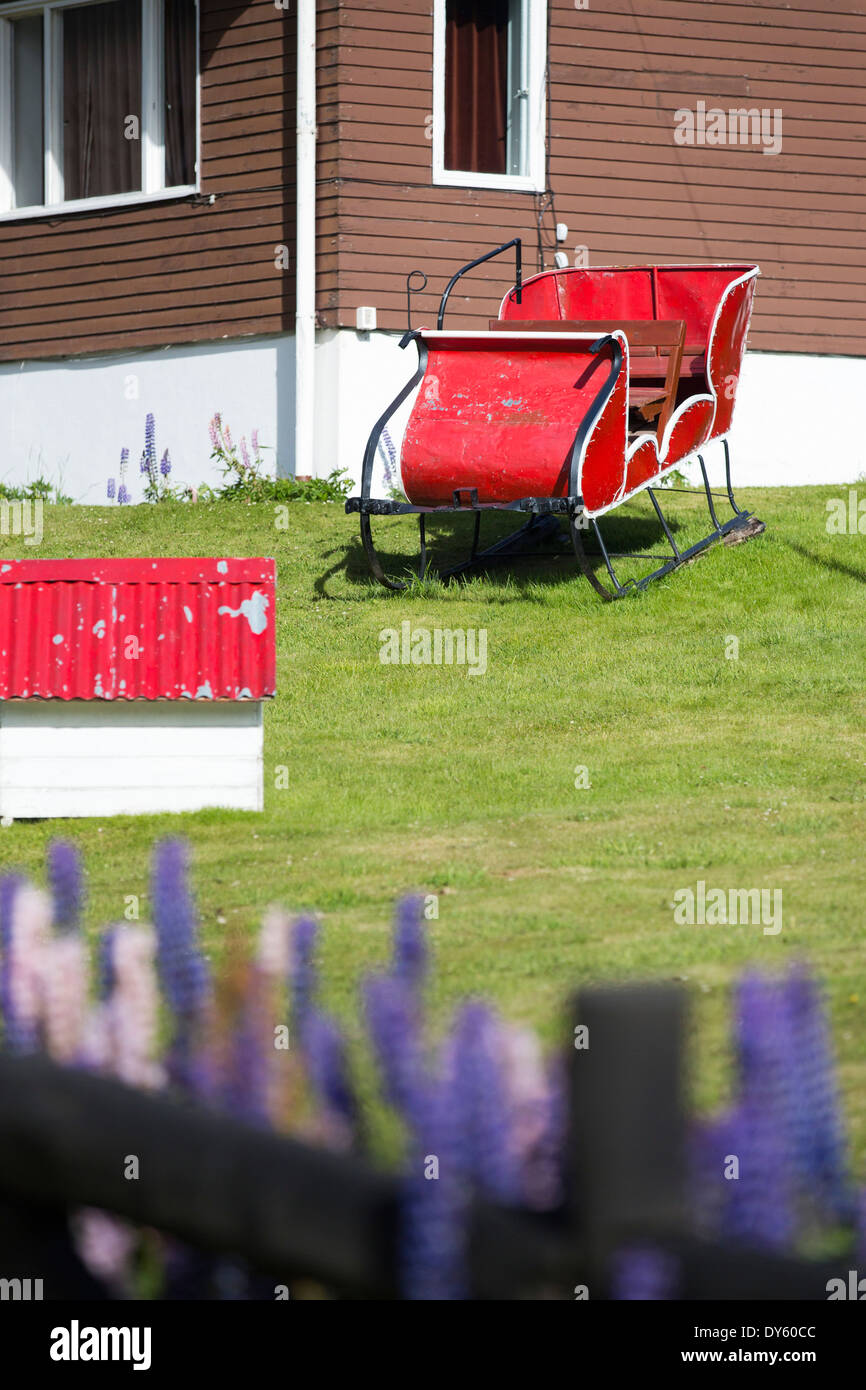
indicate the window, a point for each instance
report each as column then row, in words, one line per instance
column 98, row 103
column 488, row 93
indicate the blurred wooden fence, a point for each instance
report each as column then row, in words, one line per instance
column 297, row 1212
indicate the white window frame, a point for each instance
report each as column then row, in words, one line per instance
column 151, row 134
column 533, row 83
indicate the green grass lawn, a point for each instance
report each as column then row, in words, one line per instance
column 744, row 773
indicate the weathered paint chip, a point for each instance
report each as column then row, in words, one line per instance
column 253, row 609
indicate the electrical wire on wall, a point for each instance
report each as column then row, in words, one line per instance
column 546, row 241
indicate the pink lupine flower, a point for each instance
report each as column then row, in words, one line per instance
column 131, row 1011
column 328, row 1128
column 275, row 939
column 271, row 963
column 227, row 435
column 30, row 934
column 213, row 430
column 255, row 442
column 64, row 972
column 245, row 452
column 106, row 1245
column 531, row 1104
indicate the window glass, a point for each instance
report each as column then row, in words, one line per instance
column 477, row 86
column 180, row 107
column 101, row 91
column 27, row 160
column 518, row 89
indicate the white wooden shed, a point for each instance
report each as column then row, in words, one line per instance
column 133, row 685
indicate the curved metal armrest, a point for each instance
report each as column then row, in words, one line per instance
column 516, row 242
column 604, row 394
column 373, row 441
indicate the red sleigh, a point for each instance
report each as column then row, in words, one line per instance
column 588, row 388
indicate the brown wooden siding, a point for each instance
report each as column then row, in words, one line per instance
column 177, row 271
column 618, row 72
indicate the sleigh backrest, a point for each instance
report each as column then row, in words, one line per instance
column 691, row 293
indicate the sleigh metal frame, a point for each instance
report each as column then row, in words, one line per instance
column 547, row 509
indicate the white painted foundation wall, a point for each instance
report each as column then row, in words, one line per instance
column 796, row 422
column 111, row 758
column 69, row 420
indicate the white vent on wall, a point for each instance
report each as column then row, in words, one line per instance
column 365, row 318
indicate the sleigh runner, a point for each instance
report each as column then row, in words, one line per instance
column 590, row 386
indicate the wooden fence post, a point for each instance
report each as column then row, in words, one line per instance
column 626, row 1148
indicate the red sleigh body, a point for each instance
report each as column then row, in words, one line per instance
column 551, row 408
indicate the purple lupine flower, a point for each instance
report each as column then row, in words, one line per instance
column 760, row 1204
column 165, row 465
column 302, row 972
column 432, row 1236
column 710, row 1144
column 819, row 1150
column 245, row 1089
column 327, row 1066
column 410, row 953
column 122, row 495
column 213, row 431
column 150, row 446
column 478, row 1100
column 106, row 974
column 245, row 453
column 110, row 490
column 433, row 1232
column 254, row 437
column 182, row 970
column 67, row 884
column 643, row 1273
column 142, row 462
column 9, row 886
column 388, row 455
column 391, row 1013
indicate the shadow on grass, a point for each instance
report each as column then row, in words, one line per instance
column 449, row 540
column 826, row 563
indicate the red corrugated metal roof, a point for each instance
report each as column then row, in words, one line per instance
column 141, row 629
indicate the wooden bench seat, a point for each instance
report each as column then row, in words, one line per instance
column 660, row 360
